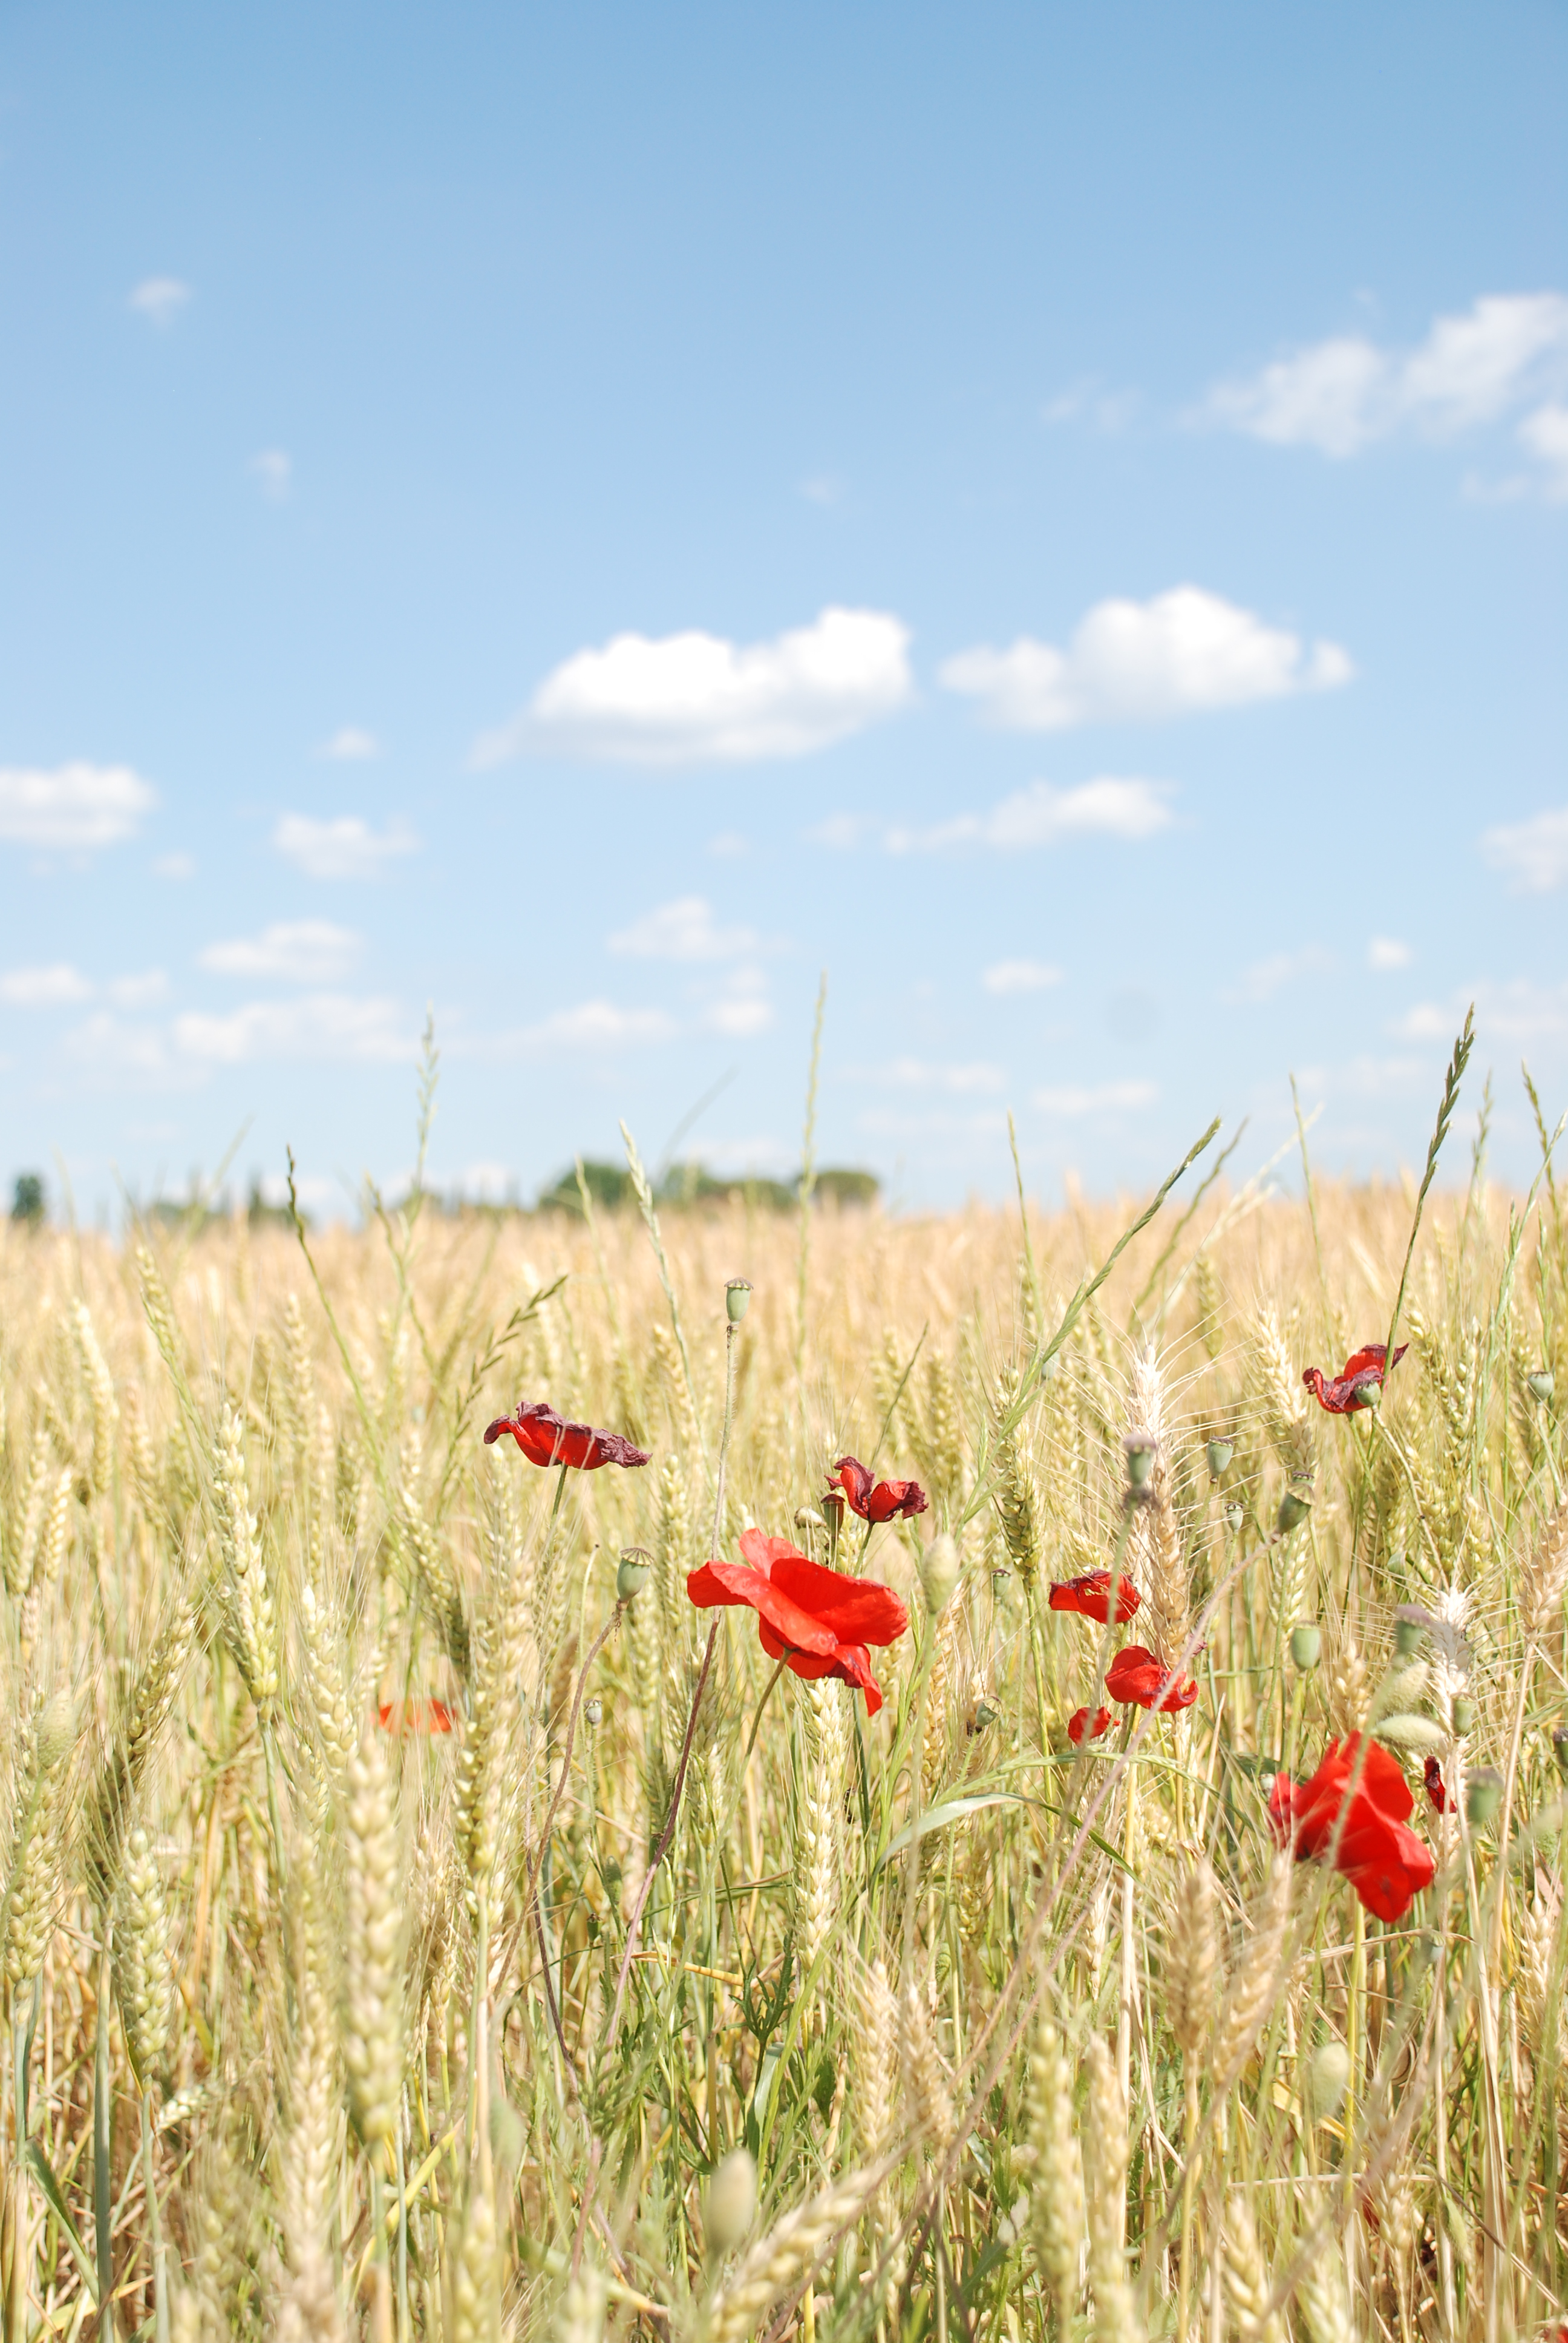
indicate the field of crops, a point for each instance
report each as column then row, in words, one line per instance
column 427, row 1912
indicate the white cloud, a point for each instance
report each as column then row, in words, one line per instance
column 730, row 845
column 43, row 987
column 1520, row 1010
column 1341, row 395
column 159, row 298
column 741, row 1017
column 695, row 698
column 1137, row 662
column 142, row 991
column 74, row 808
column 1532, row 855
column 840, row 833
column 1385, row 953
column 1544, row 435
column 683, row 930
column 122, row 1056
column 272, row 471
column 319, row 1025
column 293, row 952
column 1266, row 977
column 1040, row 815
column 344, row 848
column 974, row 1080
column 593, row 1025
column 350, row 744
column 1019, row 976
column 175, row 866
column 1110, row 1097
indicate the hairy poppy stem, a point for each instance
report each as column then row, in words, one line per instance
column 756, row 1720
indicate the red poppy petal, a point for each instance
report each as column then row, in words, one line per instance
column 798, row 1629
column 854, row 1481
column 708, row 1590
column 858, row 1610
column 1079, row 1728
column 891, row 1498
column 1435, row 1790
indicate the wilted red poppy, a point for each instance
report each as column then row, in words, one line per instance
column 818, row 1620
column 1138, row 1678
column 1079, row 1730
column 415, row 1717
column 547, row 1438
column 1344, row 1394
column 1434, row 1786
column 888, row 1501
column 1383, row 1860
column 1090, row 1596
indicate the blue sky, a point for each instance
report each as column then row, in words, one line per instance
column 585, row 518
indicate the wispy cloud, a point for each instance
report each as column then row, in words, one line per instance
column 330, row 1025
column 144, row 991
column 74, row 808
column 293, row 951
column 1042, row 815
column 695, row 698
column 343, row 848
column 350, row 744
column 159, row 299
column 972, row 1080
column 1518, row 1011
column 1386, row 953
column 45, row 987
column 1139, row 662
column 1019, row 976
column 1265, row 978
column 684, row 930
column 175, row 866
column 1532, row 855
column 1341, row 394
column 1072, row 1105
column 594, row 1026
column 272, row 469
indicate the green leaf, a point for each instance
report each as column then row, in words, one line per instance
column 956, row 1809
column 43, row 2172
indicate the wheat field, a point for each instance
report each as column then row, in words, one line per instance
column 413, row 1925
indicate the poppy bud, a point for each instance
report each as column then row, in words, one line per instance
column 940, row 1571
column 1294, row 1506
column 593, row 1710
column 1482, row 1796
column 1464, row 1715
column 632, row 1576
column 1368, row 1395
column 1140, row 1455
column 833, row 1509
column 985, row 1714
column 1407, row 1636
column 1306, row 1647
column 1560, row 1749
column 1220, row 1453
column 1233, row 1516
column 1326, row 2079
column 731, row 2202
column 1541, row 1384
column 738, row 1299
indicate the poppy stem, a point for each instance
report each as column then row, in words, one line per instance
column 762, row 1704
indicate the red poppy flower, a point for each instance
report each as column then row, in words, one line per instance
column 1435, row 1788
column 1346, row 1393
column 1079, row 1728
column 1136, row 1677
column 1090, row 1596
column 1383, row 1860
column 819, row 1621
column 547, row 1438
column 415, row 1717
column 888, row 1501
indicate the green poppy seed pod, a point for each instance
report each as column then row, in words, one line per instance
column 593, row 1710
column 1220, row 1453
column 738, row 1299
column 1294, row 1506
column 1001, row 1589
column 1482, row 1796
column 731, row 2202
column 1325, row 2079
column 1306, row 1647
column 940, row 1571
column 1560, row 1750
column 1141, row 1454
column 1233, row 1517
column 985, row 1713
column 1463, row 1714
column 1407, row 1636
column 632, row 1575
column 1367, row 1395
column 832, row 1504
column 1541, row 1384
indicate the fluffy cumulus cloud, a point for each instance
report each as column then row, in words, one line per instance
column 43, row 987
column 1386, row 953
column 1532, row 855
column 159, row 299
column 1042, row 815
column 694, row 698
column 73, row 809
column 1544, row 436
column 1006, row 976
column 351, row 744
column 343, row 848
column 1139, row 662
column 1074, row 1105
column 684, row 930
column 1338, row 396
column 331, row 1025
column 293, row 951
